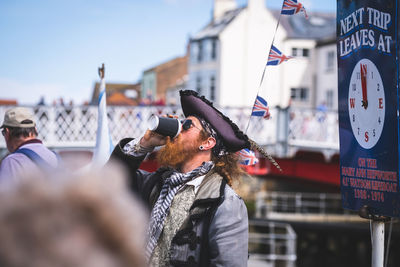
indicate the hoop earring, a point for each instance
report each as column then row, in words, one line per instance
column 201, row 147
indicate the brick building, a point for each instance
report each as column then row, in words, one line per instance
column 157, row 80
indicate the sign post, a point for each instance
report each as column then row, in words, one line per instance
column 378, row 244
column 367, row 47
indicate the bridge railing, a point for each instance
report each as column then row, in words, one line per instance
column 302, row 206
column 286, row 131
column 271, row 244
column 298, row 202
column 313, row 128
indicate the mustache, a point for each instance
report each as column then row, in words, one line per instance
column 176, row 152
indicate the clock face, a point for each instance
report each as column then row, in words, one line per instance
column 366, row 103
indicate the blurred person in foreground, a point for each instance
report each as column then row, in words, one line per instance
column 196, row 217
column 72, row 221
column 27, row 153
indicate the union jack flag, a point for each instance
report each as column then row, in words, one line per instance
column 291, row 7
column 260, row 108
column 247, row 157
column 276, row 57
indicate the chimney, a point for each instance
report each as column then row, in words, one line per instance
column 256, row 4
column 222, row 6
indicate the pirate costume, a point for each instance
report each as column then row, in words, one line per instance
column 196, row 218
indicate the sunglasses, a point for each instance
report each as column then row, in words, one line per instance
column 187, row 124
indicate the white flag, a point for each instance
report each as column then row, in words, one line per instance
column 104, row 146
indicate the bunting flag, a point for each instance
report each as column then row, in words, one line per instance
column 247, row 157
column 260, row 108
column 276, row 57
column 104, row 146
column 291, row 7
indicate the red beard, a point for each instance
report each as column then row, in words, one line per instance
column 175, row 153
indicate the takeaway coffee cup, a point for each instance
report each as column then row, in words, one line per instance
column 165, row 126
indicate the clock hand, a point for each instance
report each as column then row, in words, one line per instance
column 364, row 102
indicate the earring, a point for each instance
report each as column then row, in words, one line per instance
column 201, row 147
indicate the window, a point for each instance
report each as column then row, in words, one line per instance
column 300, row 52
column 299, row 94
column 200, row 52
column 213, row 48
column 330, row 60
column 329, row 98
column 212, row 88
column 198, row 85
column 194, row 51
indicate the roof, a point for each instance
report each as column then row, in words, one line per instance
column 119, row 99
column 112, row 88
column 214, row 28
column 168, row 64
column 318, row 26
column 5, row 102
column 328, row 40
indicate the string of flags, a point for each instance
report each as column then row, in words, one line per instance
column 275, row 58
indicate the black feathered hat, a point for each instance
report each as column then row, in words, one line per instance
column 232, row 137
column 195, row 105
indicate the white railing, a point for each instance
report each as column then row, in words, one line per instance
column 313, row 128
column 300, row 206
column 271, row 244
column 75, row 127
column 298, row 202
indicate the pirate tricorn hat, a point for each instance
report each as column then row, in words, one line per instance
column 232, row 137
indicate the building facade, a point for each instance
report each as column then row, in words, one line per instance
column 228, row 56
column 157, row 80
column 327, row 73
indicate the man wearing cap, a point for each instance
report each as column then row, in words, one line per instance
column 196, row 217
column 27, row 153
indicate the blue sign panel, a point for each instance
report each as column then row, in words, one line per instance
column 368, row 105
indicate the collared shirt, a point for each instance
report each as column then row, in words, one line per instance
column 16, row 166
column 196, row 182
column 30, row 141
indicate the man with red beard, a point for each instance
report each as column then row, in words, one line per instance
column 196, row 217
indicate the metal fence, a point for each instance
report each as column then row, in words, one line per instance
column 298, row 202
column 300, row 206
column 286, row 131
column 271, row 244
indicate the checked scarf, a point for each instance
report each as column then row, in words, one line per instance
column 169, row 189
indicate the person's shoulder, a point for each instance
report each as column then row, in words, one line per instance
column 231, row 194
column 36, row 146
column 41, row 150
column 14, row 158
column 7, row 159
column 232, row 205
column 12, row 162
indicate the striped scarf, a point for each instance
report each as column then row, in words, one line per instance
column 160, row 210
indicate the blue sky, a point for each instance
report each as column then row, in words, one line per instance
column 53, row 48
